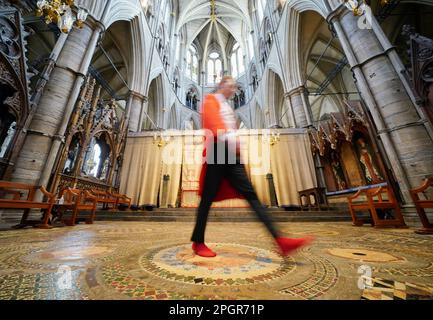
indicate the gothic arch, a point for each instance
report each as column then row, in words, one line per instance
column 292, row 39
column 110, row 12
column 117, row 10
column 324, row 70
column 155, row 94
column 311, row 5
column 113, row 51
column 275, row 98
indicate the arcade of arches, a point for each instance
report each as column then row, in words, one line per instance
column 329, row 104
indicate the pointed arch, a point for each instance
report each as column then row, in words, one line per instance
column 155, row 103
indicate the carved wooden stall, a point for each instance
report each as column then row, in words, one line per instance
column 421, row 55
column 353, row 164
column 14, row 92
column 348, row 153
column 92, row 154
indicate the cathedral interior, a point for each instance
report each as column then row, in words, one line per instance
column 335, row 108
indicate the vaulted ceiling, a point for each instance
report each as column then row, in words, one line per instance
column 111, row 59
column 322, row 56
column 213, row 21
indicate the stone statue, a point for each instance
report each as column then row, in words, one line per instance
column 188, row 99
column 371, row 172
column 242, row 98
column 194, row 102
column 105, row 168
column 70, row 161
column 338, row 172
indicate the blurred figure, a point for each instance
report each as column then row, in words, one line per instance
column 222, row 175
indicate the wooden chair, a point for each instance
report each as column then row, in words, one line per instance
column 374, row 200
column 421, row 205
column 121, row 199
column 13, row 194
column 77, row 200
column 105, row 198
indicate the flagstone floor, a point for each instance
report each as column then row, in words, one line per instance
column 153, row 260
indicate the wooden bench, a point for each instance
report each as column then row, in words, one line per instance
column 105, row 198
column 319, row 199
column 374, row 200
column 76, row 200
column 121, row 199
column 12, row 198
column 421, row 205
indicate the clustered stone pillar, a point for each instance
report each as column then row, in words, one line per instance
column 408, row 146
column 288, row 112
column 46, row 132
column 144, row 114
column 300, row 107
column 135, row 106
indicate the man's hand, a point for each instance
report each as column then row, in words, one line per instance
column 234, row 142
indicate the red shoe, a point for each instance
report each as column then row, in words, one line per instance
column 288, row 245
column 202, row 250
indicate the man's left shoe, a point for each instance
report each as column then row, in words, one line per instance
column 289, row 245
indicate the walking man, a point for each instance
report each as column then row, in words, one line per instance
column 223, row 176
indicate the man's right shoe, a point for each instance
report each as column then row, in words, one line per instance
column 289, row 245
column 202, row 250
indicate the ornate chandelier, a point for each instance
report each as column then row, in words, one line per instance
column 161, row 139
column 272, row 139
column 60, row 13
column 358, row 7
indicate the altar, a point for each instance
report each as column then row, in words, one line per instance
column 162, row 169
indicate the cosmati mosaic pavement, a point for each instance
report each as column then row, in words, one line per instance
column 154, row 261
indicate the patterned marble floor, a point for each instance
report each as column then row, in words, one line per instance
column 153, row 260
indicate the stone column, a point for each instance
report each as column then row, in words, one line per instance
column 300, row 107
column 406, row 140
column 46, row 132
column 288, row 112
column 144, row 113
column 135, row 106
column 271, row 105
column 401, row 71
column 44, row 77
column 51, row 63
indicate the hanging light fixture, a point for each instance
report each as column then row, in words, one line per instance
column 60, row 13
column 358, row 7
column 161, row 139
column 273, row 138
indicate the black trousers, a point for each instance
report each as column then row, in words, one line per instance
column 237, row 176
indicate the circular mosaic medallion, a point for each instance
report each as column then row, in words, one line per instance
column 234, row 265
column 364, row 255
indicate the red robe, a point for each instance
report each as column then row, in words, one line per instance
column 212, row 120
